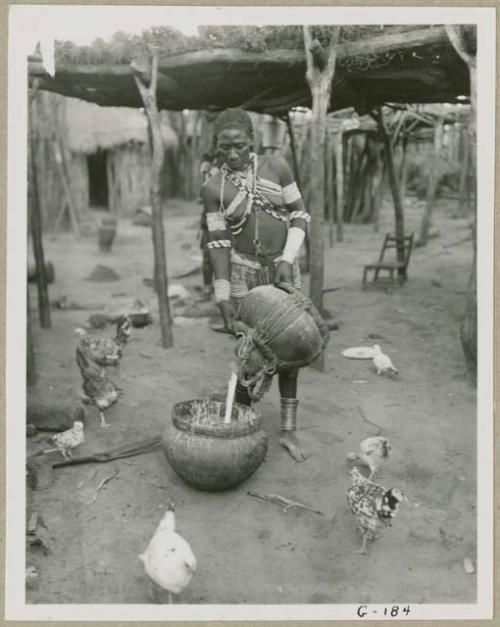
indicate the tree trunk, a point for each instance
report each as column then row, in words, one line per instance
column 433, row 182
column 148, row 96
column 339, row 177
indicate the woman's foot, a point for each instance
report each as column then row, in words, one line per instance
column 290, row 441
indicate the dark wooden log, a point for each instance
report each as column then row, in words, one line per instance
column 432, row 183
column 320, row 81
column 399, row 226
column 36, row 223
column 148, row 95
column 339, row 187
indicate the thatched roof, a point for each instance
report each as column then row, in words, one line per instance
column 417, row 65
column 88, row 127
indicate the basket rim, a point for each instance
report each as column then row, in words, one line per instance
column 220, row 430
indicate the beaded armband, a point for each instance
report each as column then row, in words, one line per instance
column 300, row 215
column 219, row 243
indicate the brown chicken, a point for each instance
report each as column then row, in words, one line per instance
column 98, row 390
column 373, row 506
column 106, row 351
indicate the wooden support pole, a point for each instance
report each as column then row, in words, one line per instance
column 148, row 95
column 399, row 226
column 329, row 191
column 403, row 173
column 36, row 222
column 464, row 177
column 31, row 374
column 468, row 328
column 432, row 184
column 339, row 177
column 296, row 172
column 319, row 75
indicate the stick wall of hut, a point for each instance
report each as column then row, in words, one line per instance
column 329, row 189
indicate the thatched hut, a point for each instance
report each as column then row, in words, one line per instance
column 95, row 158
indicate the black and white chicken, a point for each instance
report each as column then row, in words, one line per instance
column 373, row 506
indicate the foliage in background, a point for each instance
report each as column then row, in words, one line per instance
column 122, row 48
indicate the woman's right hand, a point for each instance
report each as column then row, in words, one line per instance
column 228, row 313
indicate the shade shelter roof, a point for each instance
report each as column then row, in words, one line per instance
column 418, row 64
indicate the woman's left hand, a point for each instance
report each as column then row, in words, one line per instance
column 284, row 273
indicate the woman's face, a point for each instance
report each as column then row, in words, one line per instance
column 233, row 146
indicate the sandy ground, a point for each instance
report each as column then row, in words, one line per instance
column 248, row 550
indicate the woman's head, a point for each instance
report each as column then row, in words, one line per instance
column 234, row 137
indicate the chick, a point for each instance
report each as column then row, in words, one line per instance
column 372, row 506
column 383, row 363
column 168, row 559
column 68, row 440
column 374, row 452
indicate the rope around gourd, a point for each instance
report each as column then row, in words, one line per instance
column 266, row 330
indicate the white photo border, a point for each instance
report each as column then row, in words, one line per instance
column 24, row 22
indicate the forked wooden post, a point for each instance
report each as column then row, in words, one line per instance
column 148, row 95
column 36, row 220
column 320, row 72
column 399, row 227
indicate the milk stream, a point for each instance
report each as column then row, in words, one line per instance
column 231, row 388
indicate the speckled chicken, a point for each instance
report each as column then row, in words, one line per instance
column 373, row 506
column 68, row 440
column 168, row 559
column 374, row 452
column 98, row 390
column 106, row 351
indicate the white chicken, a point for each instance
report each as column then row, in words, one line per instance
column 68, row 440
column 168, row 559
column 374, row 452
column 382, row 362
